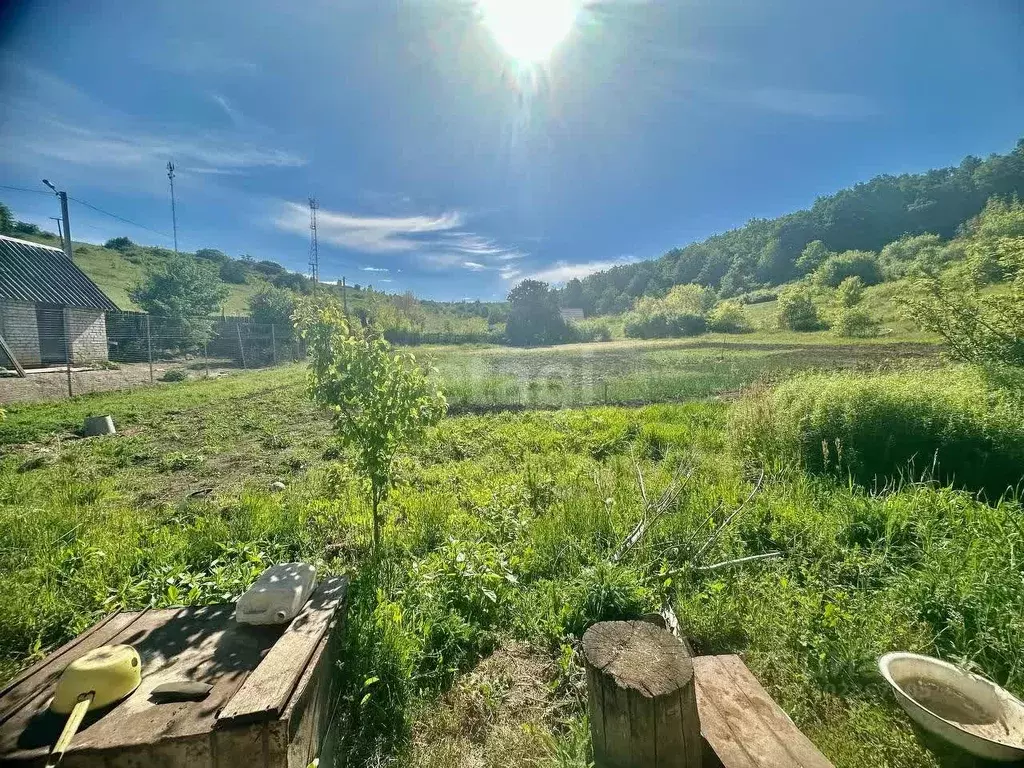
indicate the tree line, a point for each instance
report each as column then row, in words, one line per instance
column 767, row 252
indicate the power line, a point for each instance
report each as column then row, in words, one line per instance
column 120, row 218
column 24, row 189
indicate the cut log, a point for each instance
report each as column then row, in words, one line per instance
column 643, row 706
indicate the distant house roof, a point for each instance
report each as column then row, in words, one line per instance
column 571, row 313
column 41, row 274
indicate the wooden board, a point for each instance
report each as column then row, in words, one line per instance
column 266, row 691
column 742, row 725
column 43, row 676
column 10, row 356
column 201, row 644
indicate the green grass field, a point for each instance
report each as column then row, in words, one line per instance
column 635, row 372
column 462, row 639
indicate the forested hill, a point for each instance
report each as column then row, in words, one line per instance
column 766, row 252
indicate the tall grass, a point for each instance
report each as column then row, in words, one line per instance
column 950, row 425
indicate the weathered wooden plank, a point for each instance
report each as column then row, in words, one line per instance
column 742, row 724
column 266, row 691
column 313, row 709
column 43, row 676
column 197, row 644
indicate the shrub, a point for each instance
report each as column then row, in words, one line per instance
column 839, row 266
column 274, row 306
column 592, row 330
column 977, row 327
column 662, row 325
column 797, row 311
column 955, row 426
column 234, row 271
column 854, row 322
column 174, row 374
column 729, row 317
column 759, row 296
column 119, row 244
column 680, row 313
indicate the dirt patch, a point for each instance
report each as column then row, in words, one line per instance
column 501, row 714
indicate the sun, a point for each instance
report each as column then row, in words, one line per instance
column 528, row 30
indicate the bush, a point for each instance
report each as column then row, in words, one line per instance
column 234, row 271
column 119, row 244
column 854, row 322
column 729, row 317
column 797, row 311
column 759, row 296
column 662, row 325
column 954, row 426
column 838, row 267
column 174, row 374
column 682, row 312
column 591, row 330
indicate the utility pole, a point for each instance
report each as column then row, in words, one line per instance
column 66, row 234
column 314, row 247
column 174, row 212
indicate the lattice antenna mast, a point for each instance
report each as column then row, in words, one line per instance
column 174, row 210
column 314, row 247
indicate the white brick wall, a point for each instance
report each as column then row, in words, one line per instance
column 20, row 331
column 87, row 331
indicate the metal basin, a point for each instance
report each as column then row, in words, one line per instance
column 969, row 711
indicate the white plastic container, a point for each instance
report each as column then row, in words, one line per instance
column 278, row 594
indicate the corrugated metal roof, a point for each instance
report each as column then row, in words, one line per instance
column 41, row 274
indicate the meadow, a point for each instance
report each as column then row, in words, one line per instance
column 462, row 637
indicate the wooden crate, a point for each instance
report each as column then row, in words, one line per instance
column 270, row 707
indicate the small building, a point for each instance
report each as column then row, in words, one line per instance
column 49, row 308
column 571, row 314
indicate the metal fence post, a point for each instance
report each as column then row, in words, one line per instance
column 67, row 347
column 206, row 356
column 241, row 347
column 273, row 342
column 149, row 349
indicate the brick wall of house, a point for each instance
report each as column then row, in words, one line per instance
column 87, row 331
column 20, row 331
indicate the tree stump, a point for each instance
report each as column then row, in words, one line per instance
column 643, row 705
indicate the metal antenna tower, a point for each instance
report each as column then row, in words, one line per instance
column 314, row 248
column 174, row 211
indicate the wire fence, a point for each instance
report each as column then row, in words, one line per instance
column 51, row 352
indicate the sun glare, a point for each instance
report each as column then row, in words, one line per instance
column 528, row 30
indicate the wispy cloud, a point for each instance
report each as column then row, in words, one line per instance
column 821, row 105
column 233, row 113
column 209, row 153
column 52, row 120
column 368, row 234
column 562, row 272
column 438, row 241
column 374, row 269
column 192, row 57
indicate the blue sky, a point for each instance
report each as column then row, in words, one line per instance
column 445, row 166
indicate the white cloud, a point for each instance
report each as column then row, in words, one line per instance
column 509, row 273
column 233, row 113
column 821, row 105
column 209, row 153
column 435, row 241
column 561, row 272
column 369, row 234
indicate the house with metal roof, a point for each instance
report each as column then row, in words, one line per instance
column 50, row 311
column 570, row 314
